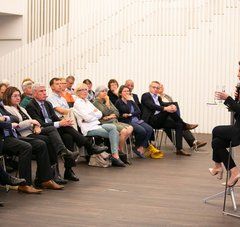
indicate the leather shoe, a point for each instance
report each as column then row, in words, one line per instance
column 190, row 126
column 14, row 181
column 182, row 152
column 29, row 189
column 117, row 162
column 60, row 180
column 95, row 149
column 51, row 185
column 69, row 154
column 70, row 175
column 198, row 144
column 138, row 153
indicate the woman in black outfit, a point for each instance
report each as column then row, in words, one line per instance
column 130, row 114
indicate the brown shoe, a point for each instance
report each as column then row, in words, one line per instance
column 51, row 185
column 29, row 189
column 190, row 126
column 198, row 144
column 182, row 152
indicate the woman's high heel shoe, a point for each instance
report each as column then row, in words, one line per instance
column 218, row 172
column 232, row 182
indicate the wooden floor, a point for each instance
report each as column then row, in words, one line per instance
column 167, row 192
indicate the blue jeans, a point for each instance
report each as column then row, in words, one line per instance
column 107, row 131
column 143, row 133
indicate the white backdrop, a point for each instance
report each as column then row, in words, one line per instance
column 189, row 45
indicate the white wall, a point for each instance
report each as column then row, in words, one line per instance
column 189, row 46
column 16, row 7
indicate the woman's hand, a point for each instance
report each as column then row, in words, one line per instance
column 221, row 95
column 126, row 115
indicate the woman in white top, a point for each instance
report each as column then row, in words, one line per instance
column 88, row 120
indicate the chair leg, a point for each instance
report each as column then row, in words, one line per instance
column 4, row 167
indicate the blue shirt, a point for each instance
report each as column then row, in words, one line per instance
column 156, row 101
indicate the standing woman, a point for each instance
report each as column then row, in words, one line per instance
column 130, row 114
column 110, row 114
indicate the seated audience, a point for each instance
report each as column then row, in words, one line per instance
column 24, row 147
column 69, row 98
column 43, row 112
column 3, row 88
column 130, row 114
column 88, row 120
column 29, row 127
column 91, row 93
column 113, row 90
column 27, row 93
column 187, row 135
column 110, row 114
column 70, row 81
column 130, row 84
column 7, row 179
column 163, row 115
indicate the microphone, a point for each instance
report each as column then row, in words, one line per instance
column 238, row 91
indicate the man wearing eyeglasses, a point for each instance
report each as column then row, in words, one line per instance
column 164, row 115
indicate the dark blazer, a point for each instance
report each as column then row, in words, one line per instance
column 6, row 125
column 125, row 108
column 149, row 107
column 35, row 111
column 235, row 107
column 113, row 98
column 136, row 100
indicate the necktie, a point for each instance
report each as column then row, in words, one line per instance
column 45, row 114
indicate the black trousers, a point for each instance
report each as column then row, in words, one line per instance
column 187, row 135
column 221, row 138
column 24, row 147
column 70, row 136
column 4, row 176
column 169, row 121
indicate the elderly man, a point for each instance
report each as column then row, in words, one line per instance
column 130, row 84
column 27, row 93
column 44, row 113
column 164, row 115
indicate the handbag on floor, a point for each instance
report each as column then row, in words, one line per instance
column 100, row 160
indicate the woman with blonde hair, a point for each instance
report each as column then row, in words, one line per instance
column 88, row 120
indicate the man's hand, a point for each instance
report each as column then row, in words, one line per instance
column 35, row 122
column 170, row 109
column 37, row 130
column 65, row 122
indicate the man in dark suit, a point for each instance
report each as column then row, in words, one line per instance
column 42, row 111
column 163, row 115
column 23, row 147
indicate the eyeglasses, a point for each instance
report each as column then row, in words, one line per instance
column 83, row 89
column 15, row 96
column 155, row 87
